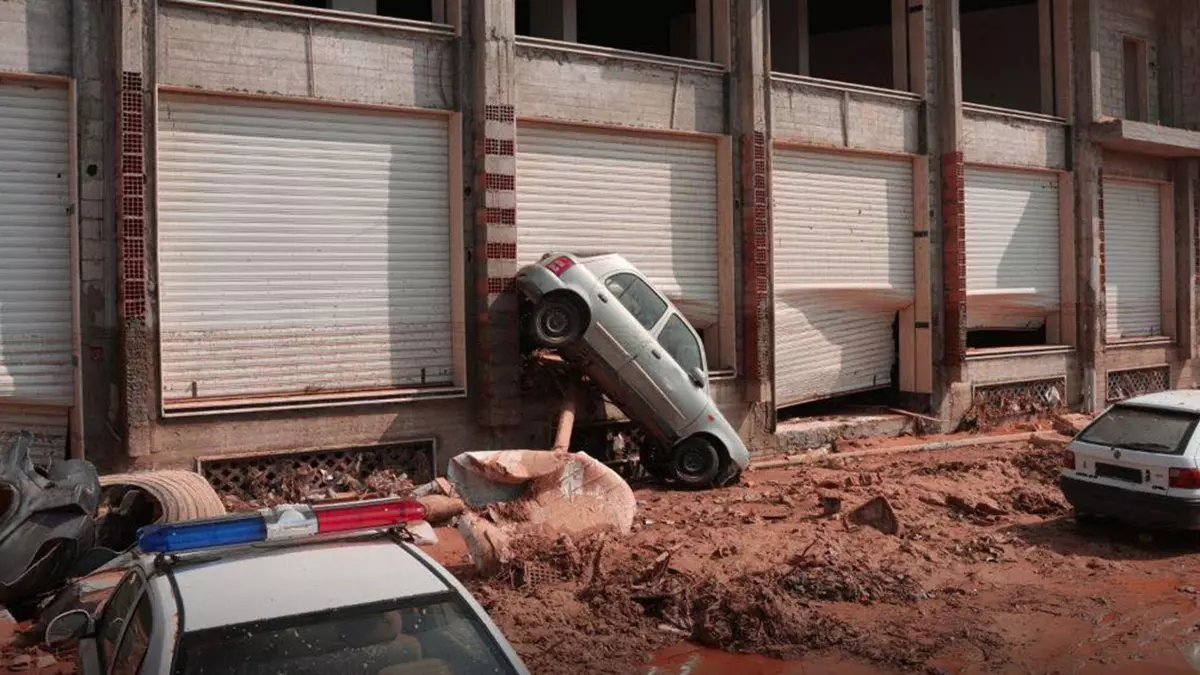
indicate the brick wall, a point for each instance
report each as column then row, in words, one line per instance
column 35, row 36
column 1119, row 18
column 580, row 87
column 954, row 271
column 251, row 53
column 992, row 138
column 822, row 115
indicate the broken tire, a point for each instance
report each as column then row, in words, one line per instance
column 181, row 495
column 556, row 322
column 696, row 462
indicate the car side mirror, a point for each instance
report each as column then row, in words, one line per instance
column 697, row 377
column 68, row 627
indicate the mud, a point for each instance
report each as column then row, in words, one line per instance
column 988, row 573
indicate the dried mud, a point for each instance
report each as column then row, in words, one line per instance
column 762, row 568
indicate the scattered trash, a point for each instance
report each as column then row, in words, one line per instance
column 877, row 513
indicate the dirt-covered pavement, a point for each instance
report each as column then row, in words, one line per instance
column 988, row 573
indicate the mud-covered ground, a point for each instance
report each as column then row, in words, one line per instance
column 988, row 573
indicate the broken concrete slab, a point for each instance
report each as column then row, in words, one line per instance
column 877, row 513
column 810, row 434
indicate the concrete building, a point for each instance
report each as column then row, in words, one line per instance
column 241, row 228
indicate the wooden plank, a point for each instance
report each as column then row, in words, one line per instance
column 1064, row 98
column 916, row 46
column 922, row 347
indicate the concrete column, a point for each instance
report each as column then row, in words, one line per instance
column 1189, row 104
column 134, row 193
column 751, row 117
column 553, row 19
column 953, row 222
column 1089, row 233
column 94, row 70
column 493, row 31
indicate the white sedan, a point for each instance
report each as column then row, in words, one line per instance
column 1139, row 462
column 294, row 589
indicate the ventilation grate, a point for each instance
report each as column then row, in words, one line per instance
column 1123, row 384
column 241, row 477
column 999, row 402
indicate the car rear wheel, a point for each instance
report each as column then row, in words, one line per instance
column 696, row 462
column 556, row 322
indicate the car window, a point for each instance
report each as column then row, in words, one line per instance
column 636, row 295
column 433, row 634
column 681, row 344
column 114, row 615
column 135, row 641
column 1144, row 429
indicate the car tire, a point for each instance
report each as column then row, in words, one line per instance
column 556, row 322
column 696, row 462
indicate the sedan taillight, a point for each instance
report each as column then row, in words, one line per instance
column 1184, row 478
column 559, row 265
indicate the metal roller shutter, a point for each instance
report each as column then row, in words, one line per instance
column 35, row 246
column 1133, row 259
column 843, row 267
column 651, row 199
column 302, row 251
column 1012, row 248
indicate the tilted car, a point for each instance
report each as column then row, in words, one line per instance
column 293, row 589
column 603, row 315
column 1139, row 462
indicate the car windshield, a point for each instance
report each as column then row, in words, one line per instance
column 436, row 635
column 1143, row 429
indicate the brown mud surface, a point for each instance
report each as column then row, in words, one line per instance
column 988, row 574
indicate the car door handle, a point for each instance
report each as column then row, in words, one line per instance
column 655, row 354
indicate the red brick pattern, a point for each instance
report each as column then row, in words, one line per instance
column 132, row 199
column 954, row 267
column 497, row 254
column 1100, row 231
column 756, row 228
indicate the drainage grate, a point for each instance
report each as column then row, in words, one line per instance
column 998, row 402
column 1123, row 384
column 242, row 476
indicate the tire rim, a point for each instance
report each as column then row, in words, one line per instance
column 556, row 322
column 694, row 461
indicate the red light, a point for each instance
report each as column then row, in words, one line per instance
column 559, row 265
column 1069, row 460
column 368, row 515
column 1184, row 478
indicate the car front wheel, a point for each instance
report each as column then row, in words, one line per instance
column 556, row 322
column 696, row 462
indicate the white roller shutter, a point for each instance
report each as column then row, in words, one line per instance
column 1012, row 248
column 35, row 246
column 1133, row 259
column 651, row 199
column 843, row 267
column 302, row 251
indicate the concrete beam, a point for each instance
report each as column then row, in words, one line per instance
column 1185, row 175
column 1146, row 139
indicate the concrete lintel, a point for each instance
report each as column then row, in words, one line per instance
column 1146, row 139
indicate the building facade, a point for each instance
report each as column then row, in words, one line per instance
column 250, row 227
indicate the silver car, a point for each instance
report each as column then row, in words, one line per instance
column 603, row 315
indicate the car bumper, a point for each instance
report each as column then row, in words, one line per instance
column 534, row 281
column 1136, row 508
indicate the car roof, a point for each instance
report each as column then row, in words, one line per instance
column 271, row 582
column 1185, row 400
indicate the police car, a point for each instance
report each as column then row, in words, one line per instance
column 292, row 589
column 1138, row 462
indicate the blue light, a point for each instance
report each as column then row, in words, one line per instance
column 211, row 533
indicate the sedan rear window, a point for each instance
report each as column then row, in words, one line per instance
column 1142, row 429
column 435, row 634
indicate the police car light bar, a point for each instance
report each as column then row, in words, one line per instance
column 288, row 521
